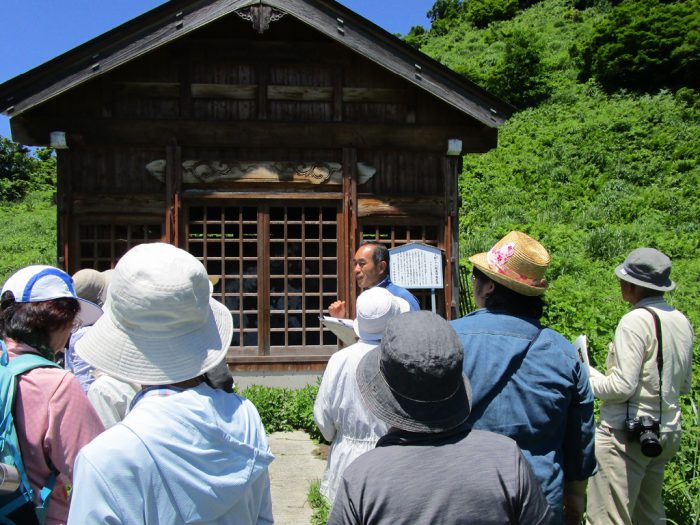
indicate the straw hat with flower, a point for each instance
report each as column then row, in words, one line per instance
column 517, row 261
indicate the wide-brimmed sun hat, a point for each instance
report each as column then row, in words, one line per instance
column 375, row 306
column 92, row 285
column 648, row 268
column 517, row 261
column 161, row 325
column 38, row 283
column 414, row 379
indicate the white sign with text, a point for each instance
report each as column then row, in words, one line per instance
column 416, row 266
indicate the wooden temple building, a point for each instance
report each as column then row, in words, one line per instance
column 266, row 137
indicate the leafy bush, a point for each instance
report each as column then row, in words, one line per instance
column 20, row 172
column 285, row 409
column 482, row 12
column 645, row 45
column 519, row 76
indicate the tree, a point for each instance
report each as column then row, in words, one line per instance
column 443, row 14
column 519, row 76
column 20, row 172
column 647, row 45
column 15, row 170
column 482, row 12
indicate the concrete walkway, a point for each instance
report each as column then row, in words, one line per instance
column 296, row 465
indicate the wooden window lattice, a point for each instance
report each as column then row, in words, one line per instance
column 301, row 268
column 102, row 245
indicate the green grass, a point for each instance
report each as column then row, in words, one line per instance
column 319, row 504
column 27, row 232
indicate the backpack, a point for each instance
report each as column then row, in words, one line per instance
column 18, row 506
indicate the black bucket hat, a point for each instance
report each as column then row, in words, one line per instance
column 648, row 268
column 414, row 380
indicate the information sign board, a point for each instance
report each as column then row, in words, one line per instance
column 416, row 266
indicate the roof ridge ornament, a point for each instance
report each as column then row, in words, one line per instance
column 260, row 15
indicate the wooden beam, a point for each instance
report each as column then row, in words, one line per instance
column 226, row 91
column 300, row 93
column 382, row 95
column 401, row 206
column 104, row 203
column 259, row 195
column 35, row 131
column 148, row 89
column 274, row 92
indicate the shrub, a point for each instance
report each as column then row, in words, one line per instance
column 285, row 409
column 646, row 45
column 519, row 76
column 482, row 12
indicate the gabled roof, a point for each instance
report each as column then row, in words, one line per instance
column 176, row 18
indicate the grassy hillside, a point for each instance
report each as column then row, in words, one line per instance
column 27, row 232
column 590, row 171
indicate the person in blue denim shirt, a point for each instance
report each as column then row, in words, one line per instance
column 527, row 380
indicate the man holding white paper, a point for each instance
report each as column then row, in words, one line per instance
column 370, row 265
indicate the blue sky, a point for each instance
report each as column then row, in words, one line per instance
column 35, row 31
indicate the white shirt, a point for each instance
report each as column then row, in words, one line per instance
column 632, row 375
column 342, row 416
column 111, row 398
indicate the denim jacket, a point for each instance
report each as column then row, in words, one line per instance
column 540, row 396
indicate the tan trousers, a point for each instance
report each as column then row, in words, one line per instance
column 627, row 487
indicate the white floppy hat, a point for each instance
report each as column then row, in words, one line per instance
column 161, row 325
column 375, row 306
column 38, row 283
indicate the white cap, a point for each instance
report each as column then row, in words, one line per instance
column 37, row 283
column 375, row 306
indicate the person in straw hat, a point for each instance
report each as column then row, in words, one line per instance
column 642, row 390
column 339, row 412
column 186, row 452
column 431, row 467
column 528, row 382
column 38, row 311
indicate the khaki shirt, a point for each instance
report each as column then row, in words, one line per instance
column 632, row 374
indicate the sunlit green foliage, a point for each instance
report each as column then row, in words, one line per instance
column 645, row 45
column 590, row 171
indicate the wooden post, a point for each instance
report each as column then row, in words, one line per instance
column 173, row 193
column 350, row 224
column 451, row 167
column 66, row 244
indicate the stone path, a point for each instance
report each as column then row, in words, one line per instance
column 295, row 466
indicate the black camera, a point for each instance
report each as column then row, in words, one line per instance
column 644, row 429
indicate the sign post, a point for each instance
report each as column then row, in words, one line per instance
column 417, row 266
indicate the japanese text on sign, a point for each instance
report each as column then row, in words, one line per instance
column 416, row 266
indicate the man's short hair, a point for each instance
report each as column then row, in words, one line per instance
column 379, row 254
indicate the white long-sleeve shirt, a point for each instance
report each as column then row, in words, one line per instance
column 342, row 416
column 632, row 374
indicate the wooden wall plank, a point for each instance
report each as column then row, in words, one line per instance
column 261, row 134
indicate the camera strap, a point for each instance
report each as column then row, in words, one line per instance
column 659, row 357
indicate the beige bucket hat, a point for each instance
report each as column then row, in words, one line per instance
column 160, row 325
column 517, row 261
